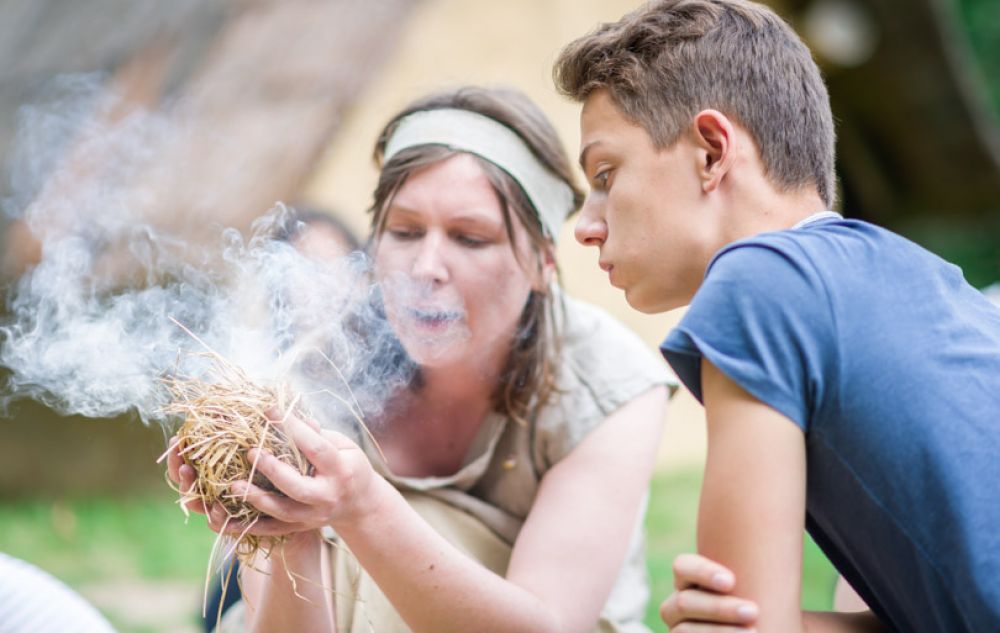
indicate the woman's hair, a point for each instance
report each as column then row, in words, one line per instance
column 528, row 378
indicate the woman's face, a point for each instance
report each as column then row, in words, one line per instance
column 454, row 289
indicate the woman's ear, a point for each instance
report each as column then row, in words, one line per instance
column 715, row 136
column 546, row 269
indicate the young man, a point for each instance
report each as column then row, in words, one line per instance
column 850, row 377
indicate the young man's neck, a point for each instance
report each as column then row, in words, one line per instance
column 767, row 209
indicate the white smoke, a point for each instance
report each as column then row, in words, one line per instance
column 95, row 325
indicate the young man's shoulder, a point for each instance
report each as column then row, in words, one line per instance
column 833, row 252
column 812, row 239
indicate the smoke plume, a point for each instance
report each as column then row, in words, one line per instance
column 96, row 324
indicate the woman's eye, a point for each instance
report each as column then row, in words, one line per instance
column 403, row 234
column 471, row 241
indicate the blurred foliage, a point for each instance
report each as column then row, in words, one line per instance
column 973, row 245
column 981, row 19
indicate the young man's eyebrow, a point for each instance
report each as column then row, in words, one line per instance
column 583, row 154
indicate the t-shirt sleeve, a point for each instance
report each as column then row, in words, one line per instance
column 763, row 317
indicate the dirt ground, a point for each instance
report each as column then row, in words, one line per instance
column 164, row 606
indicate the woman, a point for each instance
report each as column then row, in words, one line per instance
column 516, row 465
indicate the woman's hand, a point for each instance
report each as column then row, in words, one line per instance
column 701, row 600
column 183, row 475
column 337, row 490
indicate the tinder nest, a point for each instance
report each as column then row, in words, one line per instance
column 222, row 420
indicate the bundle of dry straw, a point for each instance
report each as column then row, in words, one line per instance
column 222, row 420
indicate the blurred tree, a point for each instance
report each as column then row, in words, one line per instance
column 919, row 142
column 981, row 18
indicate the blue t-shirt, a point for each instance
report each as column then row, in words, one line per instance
column 890, row 364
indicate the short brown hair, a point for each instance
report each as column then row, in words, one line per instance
column 528, row 378
column 666, row 61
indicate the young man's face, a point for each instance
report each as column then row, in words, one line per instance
column 646, row 209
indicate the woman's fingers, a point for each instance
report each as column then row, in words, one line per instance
column 185, row 482
column 197, row 505
column 185, row 477
column 272, row 504
column 177, row 469
column 340, row 474
column 265, row 526
column 322, row 448
column 276, row 415
column 694, row 570
column 285, row 477
column 276, row 517
column 705, row 607
column 174, row 461
column 320, row 452
column 219, row 520
column 215, row 514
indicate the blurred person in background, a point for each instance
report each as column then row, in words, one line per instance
column 317, row 233
column 518, row 460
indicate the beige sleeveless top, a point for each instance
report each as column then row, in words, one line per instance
column 603, row 366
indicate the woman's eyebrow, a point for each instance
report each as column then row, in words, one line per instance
column 398, row 208
column 477, row 219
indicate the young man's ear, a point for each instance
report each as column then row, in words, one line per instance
column 715, row 137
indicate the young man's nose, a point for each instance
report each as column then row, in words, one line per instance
column 591, row 229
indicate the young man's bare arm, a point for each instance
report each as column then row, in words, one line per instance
column 753, row 507
column 753, row 499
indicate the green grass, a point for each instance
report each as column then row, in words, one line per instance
column 97, row 544
column 103, row 539
column 670, row 528
column 145, row 540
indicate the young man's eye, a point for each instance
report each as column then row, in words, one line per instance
column 601, row 179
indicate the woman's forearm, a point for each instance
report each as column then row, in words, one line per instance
column 433, row 585
column 288, row 591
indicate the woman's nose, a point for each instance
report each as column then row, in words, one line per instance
column 591, row 229
column 429, row 264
